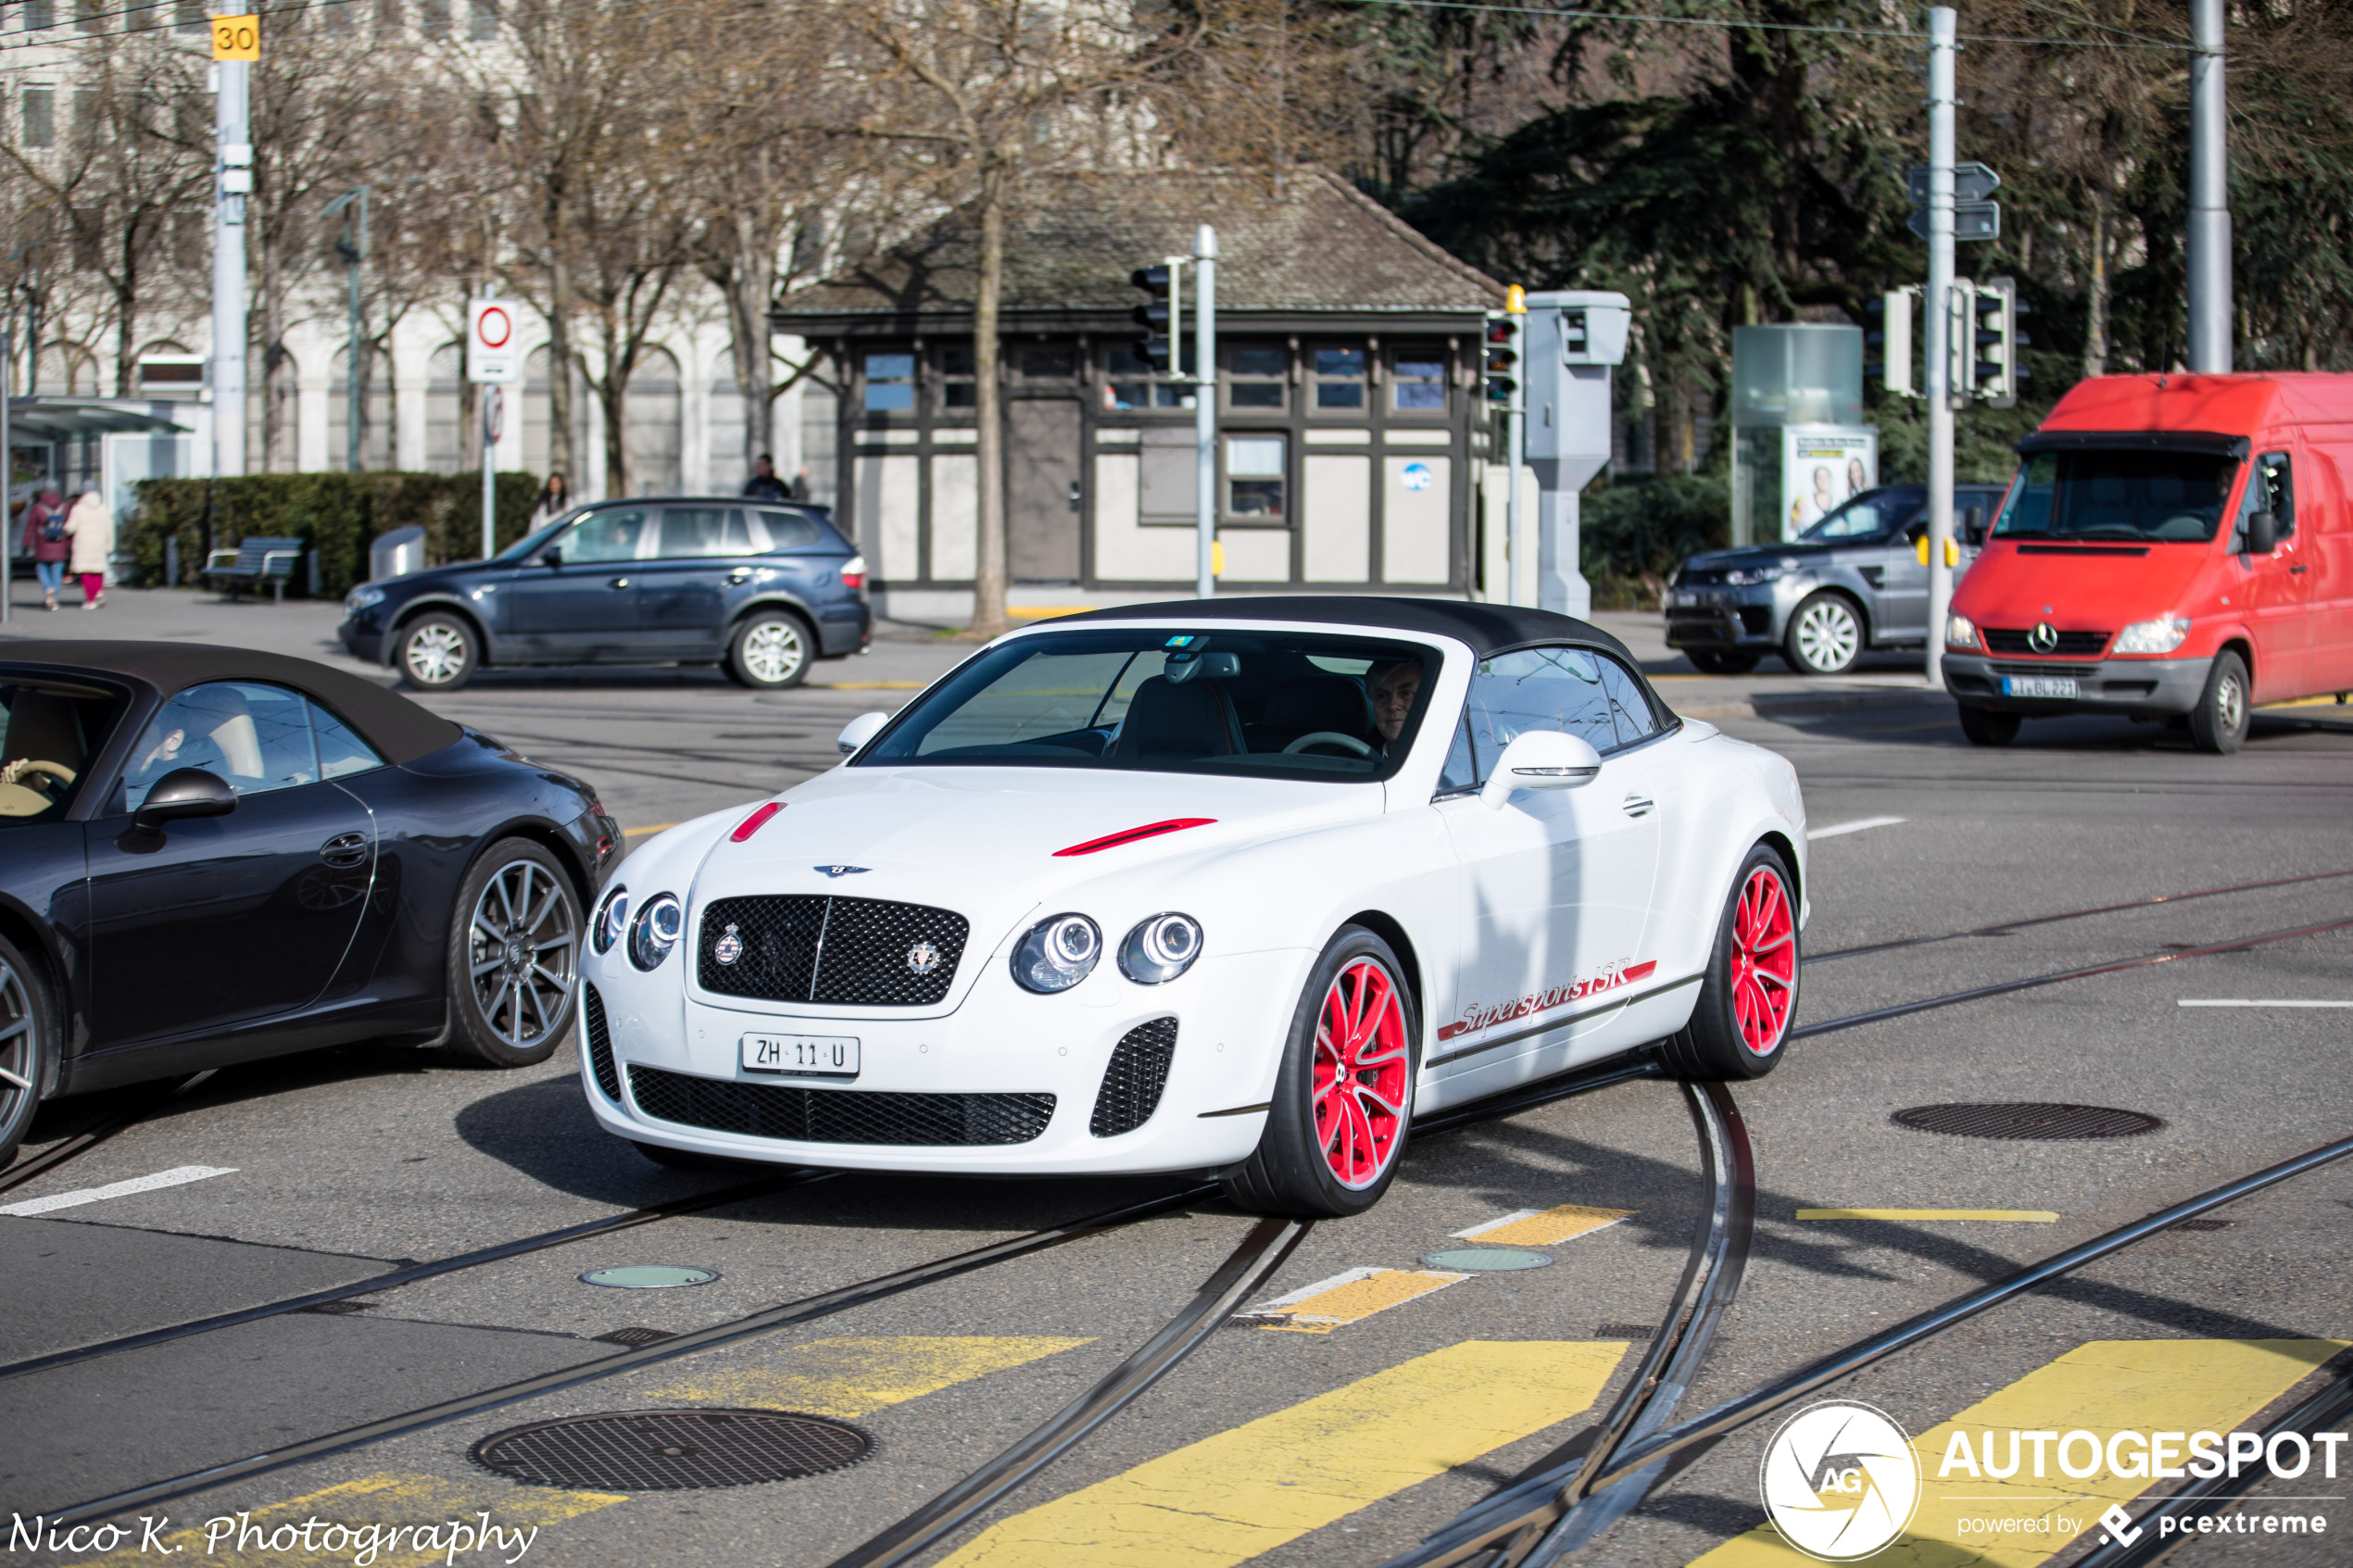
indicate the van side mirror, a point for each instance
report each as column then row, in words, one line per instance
column 182, row 792
column 2262, row 532
column 1974, row 527
column 1540, row 760
column 859, row 730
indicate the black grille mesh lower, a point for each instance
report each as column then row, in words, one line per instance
column 812, row 947
column 600, row 1043
column 1138, row 1071
column 774, row 1110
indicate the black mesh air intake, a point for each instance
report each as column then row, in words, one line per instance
column 592, row 1013
column 774, row 1110
column 2070, row 644
column 812, row 947
column 1138, row 1071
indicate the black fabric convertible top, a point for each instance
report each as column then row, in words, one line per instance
column 397, row 727
column 1487, row 628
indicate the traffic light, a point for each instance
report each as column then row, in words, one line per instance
column 1993, row 340
column 1893, row 340
column 1500, row 370
column 1960, row 340
column 1159, row 316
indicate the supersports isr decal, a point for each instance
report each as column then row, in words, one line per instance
column 1609, row 979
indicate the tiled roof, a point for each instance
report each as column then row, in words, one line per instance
column 1317, row 245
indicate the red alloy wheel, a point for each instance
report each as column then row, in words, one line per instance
column 1361, row 1065
column 1763, row 961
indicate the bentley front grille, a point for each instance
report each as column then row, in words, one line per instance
column 816, row 948
column 775, row 1110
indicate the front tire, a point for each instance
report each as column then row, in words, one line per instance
column 1985, row 727
column 514, row 956
column 2219, row 723
column 1739, row 1027
column 437, row 653
column 1343, row 1099
column 771, row 651
column 1825, row 636
column 1721, row 663
column 28, row 1040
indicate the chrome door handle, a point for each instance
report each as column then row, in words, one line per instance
column 345, row 851
column 618, row 582
column 2298, row 569
column 1637, row 804
column 741, row 575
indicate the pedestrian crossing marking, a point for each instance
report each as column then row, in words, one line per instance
column 1545, row 1227
column 852, row 1376
column 2026, row 1216
column 2105, row 1387
column 1348, row 1298
column 1251, row 1489
column 384, row 1501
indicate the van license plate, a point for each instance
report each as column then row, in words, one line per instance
column 801, row 1056
column 2038, row 686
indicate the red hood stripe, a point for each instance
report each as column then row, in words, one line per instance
column 1150, row 830
column 754, row 823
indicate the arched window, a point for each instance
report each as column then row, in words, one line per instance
column 656, row 425
column 375, row 412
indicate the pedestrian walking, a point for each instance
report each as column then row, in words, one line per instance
column 90, row 527
column 555, row 500
column 46, row 542
column 764, row 485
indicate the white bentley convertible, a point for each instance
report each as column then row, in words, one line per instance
column 1239, row 886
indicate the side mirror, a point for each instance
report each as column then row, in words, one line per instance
column 1974, row 527
column 1540, row 760
column 183, row 792
column 859, row 730
column 2262, row 532
column 551, row 555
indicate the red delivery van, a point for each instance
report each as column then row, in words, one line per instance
column 2172, row 545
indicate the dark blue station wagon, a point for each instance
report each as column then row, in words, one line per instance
column 761, row 587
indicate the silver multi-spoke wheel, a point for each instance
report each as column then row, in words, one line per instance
column 436, row 654
column 523, row 954
column 22, row 1023
column 1827, row 635
column 772, row 652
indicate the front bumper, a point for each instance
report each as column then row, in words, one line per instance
column 1751, row 617
column 2147, row 687
column 361, row 640
column 1000, row 1041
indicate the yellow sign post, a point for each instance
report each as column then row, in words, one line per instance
column 236, row 38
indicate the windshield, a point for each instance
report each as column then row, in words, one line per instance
column 48, row 737
column 517, row 551
column 1868, row 516
column 2167, row 497
column 1278, row 703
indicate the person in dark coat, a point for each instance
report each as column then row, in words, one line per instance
column 764, row 485
column 46, row 542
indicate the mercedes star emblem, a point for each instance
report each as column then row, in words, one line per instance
column 2043, row 639
column 922, row 958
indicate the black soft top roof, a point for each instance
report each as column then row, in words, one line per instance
column 397, row 727
column 1488, row 628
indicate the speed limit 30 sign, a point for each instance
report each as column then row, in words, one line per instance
column 494, row 351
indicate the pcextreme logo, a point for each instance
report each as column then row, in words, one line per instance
column 1840, row 1480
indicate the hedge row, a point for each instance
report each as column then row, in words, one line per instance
column 336, row 514
column 1635, row 531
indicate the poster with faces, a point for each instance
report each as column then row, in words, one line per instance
column 1823, row 466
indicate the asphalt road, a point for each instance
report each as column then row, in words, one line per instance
column 1360, row 1440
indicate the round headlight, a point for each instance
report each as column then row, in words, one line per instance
column 1160, row 950
column 613, row 918
column 654, row 931
column 1058, row 953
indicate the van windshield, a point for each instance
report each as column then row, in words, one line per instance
column 2166, row 497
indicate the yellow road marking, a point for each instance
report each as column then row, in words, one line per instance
column 2328, row 700
column 1546, row 1228
column 2104, row 1387
column 851, row 1376
column 868, row 685
column 640, row 832
column 2032, row 1216
column 375, row 1501
column 1230, row 1498
column 1350, row 1298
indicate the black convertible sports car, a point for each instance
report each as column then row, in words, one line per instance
column 210, row 855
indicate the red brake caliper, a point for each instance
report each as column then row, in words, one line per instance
column 1763, row 961
column 1361, row 1066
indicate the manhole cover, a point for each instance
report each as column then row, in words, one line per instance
column 632, row 1337
column 1488, row 1260
column 648, row 1276
column 673, row 1450
column 2027, row 1119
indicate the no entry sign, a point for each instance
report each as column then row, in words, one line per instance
column 494, row 351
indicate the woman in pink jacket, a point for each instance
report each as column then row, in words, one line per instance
column 91, row 528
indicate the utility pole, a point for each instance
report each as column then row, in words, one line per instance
column 353, row 248
column 2209, row 235
column 233, row 165
column 1204, row 409
column 8, row 471
column 1937, row 307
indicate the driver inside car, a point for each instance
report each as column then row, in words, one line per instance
column 1393, row 688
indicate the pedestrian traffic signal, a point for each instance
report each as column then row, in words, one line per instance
column 1158, row 318
column 1993, row 341
column 1500, row 370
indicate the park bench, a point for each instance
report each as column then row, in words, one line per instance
column 256, row 561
